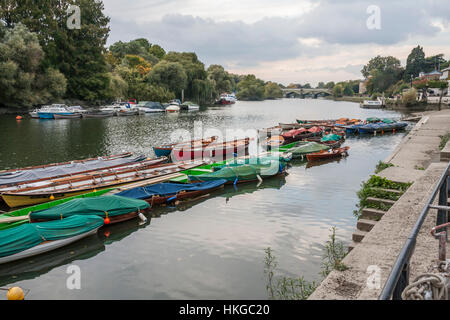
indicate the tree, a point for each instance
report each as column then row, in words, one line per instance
column 432, row 63
column 409, row 98
column 157, row 51
column 24, row 82
column 383, row 64
column 138, row 47
column 330, row 85
column 170, row 75
column 78, row 53
column 348, row 91
column 415, row 63
column 272, row 91
column 321, row 85
column 337, row 91
column 307, row 86
column 220, row 78
column 251, row 88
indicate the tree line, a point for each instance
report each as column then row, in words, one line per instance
column 43, row 61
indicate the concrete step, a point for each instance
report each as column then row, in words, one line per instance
column 365, row 224
column 380, row 201
column 352, row 245
column 388, row 190
column 372, row 214
column 358, row 235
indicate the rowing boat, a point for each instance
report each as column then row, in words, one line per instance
column 67, row 116
column 306, row 148
column 40, row 183
column 382, row 127
column 238, row 173
column 72, row 187
column 165, row 150
column 36, row 238
column 99, row 114
column 53, row 165
column 167, row 192
column 218, row 151
column 297, row 135
column 322, row 155
column 6, row 222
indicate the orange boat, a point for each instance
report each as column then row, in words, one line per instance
column 327, row 154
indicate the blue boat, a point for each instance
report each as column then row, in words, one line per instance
column 48, row 112
column 167, row 192
column 382, row 127
column 352, row 128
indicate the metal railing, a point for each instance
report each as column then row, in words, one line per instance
column 399, row 277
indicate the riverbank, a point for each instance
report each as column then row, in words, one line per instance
column 416, row 160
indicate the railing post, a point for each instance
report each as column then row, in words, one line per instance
column 402, row 283
column 442, row 216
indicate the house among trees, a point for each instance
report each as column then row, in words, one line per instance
column 433, row 75
column 445, row 74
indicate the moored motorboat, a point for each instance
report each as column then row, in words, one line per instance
column 67, row 116
column 382, row 127
column 99, row 114
column 36, row 238
column 332, row 153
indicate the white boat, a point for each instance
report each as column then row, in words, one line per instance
column 372, row 104
column 124, row 108
column 150, row 107
column 173, row 108
column 46, row 247
column 34, row 114
column 48, row 112
column 190, row 106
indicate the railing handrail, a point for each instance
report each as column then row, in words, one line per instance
column 409, row 246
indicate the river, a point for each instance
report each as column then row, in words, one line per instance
column 212, row 248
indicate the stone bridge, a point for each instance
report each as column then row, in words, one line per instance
column 302, row 93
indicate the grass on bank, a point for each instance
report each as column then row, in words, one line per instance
column 444, row 139
column 382, row 165
column 371, row 188
column 287, row 288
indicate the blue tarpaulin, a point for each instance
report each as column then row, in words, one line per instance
column 168, row 189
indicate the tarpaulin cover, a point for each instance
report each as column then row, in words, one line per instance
column 240, row 173
column 70, row 168
column 388, row 120
column 294, row 132
column 113, row 205
column 42, row 206
column 168, row 189
column 308, row 148
column 315, row 129
column 29, row 235
column 331, row 137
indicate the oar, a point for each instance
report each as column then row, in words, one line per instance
column 15, row 219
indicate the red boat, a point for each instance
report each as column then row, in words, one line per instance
column 324, row 154
column 297, row 135
column 218, row 151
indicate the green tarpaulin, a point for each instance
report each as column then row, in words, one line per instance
column 26, row 236
column 311, row 147
column 235, row 173
column 114, row 205
column 331, row 137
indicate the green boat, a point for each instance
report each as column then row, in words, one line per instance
column 237, row 173
column 310, row 147
column 25, row 211
column 267, row 158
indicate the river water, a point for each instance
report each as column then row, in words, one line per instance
column 212, row 248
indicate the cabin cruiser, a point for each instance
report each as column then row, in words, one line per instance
column 190, row 106
column 122, row 108
column 48, row 112
column 150, row 107
column 226, row 98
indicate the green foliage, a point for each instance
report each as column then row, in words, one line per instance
column 329, row 85
column 272, row 91
column 251, row 88
column 382, row 64
column 415, row 63
column 338, row 91
column 222, row 80
column 170, row 75
column 334, row 254
column 24, row 82
column 444, row 139
column 382, row 165
column 287, row 288
column 138, row 47
column 437, row 84
column 348, row 91
column 157, row 51
column 409, row 98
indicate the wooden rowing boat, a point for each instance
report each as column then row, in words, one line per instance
column 67, row 116
column 69, row 187
column 322, row 155
column 217, row 151
column 117, row 156
column 100, row 114
column 33, row 239
column 165, row 150
column 97, row 171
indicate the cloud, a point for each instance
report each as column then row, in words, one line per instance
column 245, row 35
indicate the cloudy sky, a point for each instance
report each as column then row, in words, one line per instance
column 286, row 40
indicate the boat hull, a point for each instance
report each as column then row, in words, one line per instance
column 50, row 115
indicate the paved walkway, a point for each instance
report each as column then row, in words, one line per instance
column 381, row 246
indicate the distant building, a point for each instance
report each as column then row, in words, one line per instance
column 433, row 75
column 445, row 74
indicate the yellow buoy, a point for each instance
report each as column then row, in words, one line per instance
column 15, row 293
